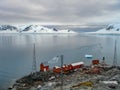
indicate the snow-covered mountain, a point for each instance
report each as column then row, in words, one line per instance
column 30, row 29
column 8, row 29
column 110, row 29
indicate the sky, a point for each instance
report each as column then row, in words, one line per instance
column 69, row 12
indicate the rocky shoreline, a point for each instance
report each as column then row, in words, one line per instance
column 86, row 78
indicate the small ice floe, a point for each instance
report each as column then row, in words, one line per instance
column 88, row 56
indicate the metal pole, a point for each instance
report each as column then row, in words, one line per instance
column 34, row 61
column 61, row 72
column 115, row 55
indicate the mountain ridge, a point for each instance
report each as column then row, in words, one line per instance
column 31, row 29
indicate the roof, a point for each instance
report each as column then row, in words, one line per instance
column 57, row 67
column 78, row 63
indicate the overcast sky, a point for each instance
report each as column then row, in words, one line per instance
column 59, row 11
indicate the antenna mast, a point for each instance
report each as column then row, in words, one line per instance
column 61, row 72
column 34, row 69
column 115, row 55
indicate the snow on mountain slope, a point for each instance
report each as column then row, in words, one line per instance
column 33, row 29
column 9, row 31
column 41, row 29
column 110, row 29
column 21, row 27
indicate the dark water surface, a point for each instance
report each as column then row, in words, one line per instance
column 16, row 51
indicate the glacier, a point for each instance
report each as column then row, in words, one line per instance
column 32, row 29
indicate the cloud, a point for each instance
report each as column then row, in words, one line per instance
column 59, row 11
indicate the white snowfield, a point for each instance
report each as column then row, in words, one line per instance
column 35, row 29
column 110, row 29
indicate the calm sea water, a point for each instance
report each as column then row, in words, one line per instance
column 16, row 51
